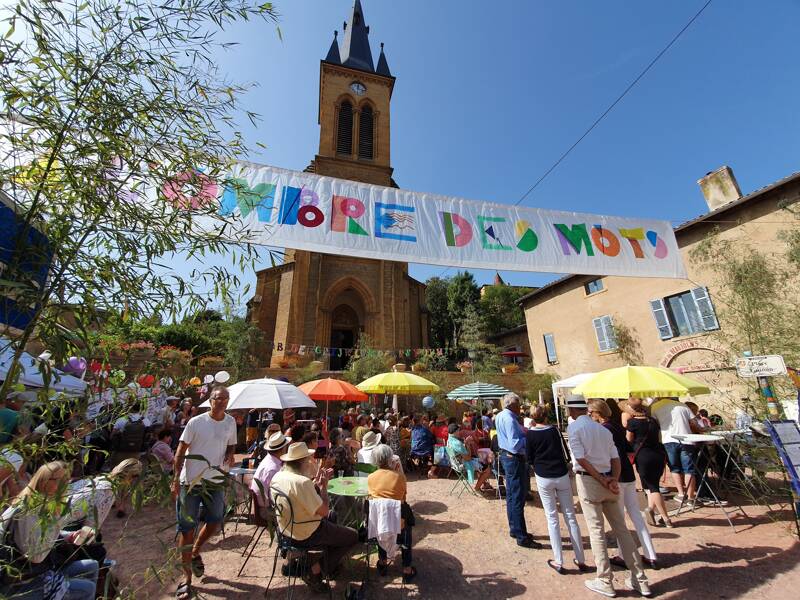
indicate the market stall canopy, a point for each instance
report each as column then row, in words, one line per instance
column 265, row 393
column 478, row 391
column 397, row 383
column 571, row 382
column 333, row 390
column 31, row 372
column 623, row 382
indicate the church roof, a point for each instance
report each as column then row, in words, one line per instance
column 383, row 66
column 355, row 51
column 333, row 53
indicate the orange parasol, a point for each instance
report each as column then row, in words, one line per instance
column 333, row 390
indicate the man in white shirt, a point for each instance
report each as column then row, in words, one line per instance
column 676, row 418
column 597, row 467
column 197, row 481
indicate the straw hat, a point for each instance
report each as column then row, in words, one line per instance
column 277, row 441
column 297, row 451
column 369, row 441
column 576, row 401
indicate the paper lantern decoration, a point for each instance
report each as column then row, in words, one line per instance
column 146, row 381
column 195, row 381
column 222, row 377
column 427, row 402
column 208, row 379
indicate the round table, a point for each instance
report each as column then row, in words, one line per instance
column 354, row 487
column 350, row 496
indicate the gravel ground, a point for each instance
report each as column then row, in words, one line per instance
column 462, row 550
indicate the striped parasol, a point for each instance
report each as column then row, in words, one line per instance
column 478, row 391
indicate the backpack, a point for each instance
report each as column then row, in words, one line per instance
column 132, row 437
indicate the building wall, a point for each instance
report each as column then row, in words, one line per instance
column 566, row 311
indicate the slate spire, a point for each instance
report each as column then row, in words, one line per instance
column 355, row 51
column 383, row 66
column 333, row 53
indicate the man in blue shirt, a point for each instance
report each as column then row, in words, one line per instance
column 511, row 441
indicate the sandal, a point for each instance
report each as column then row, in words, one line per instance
column 409, row 577
column 556, row 567
column 184, row 591
column 198, row 568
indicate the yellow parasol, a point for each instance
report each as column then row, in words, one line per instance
column 623, row 382
column 397, row 383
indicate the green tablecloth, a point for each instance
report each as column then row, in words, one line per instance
column 355, row 487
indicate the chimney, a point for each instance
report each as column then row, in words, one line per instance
column 720, row 188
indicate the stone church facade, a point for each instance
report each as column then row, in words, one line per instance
column 328, row 301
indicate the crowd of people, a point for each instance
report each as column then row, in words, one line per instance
column 610, row 451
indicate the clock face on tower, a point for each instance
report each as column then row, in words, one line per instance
column 359, row 89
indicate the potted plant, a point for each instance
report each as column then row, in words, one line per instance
column 140, row 350
column 419, row 367
column 399, row 367
column 510, row 368
column 465, row 366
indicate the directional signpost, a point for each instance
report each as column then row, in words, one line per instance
column 763, row 367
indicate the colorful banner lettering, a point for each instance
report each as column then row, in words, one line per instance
column 322, row 214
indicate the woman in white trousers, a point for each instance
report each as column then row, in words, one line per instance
column 546, row 454
column 600, row 412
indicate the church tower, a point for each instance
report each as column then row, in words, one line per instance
column 326, row 302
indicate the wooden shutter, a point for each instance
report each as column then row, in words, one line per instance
column 550, row 348
column 707, row 313
column 366, row 121
column 662, row 320
column 344, row 132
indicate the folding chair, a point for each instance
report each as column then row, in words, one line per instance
column 461, row 472
column 282, row 506
column 262, row 522
column 500, row 478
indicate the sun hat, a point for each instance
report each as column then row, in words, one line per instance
column 297, row 451
column 370, row 440
column 576, row 401
column 277, row 441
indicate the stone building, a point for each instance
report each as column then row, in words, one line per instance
column 571, row 320
column 324, row 301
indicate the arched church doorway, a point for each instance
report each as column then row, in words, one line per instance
column 345, row 331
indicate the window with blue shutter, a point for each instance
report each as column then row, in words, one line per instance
column 550, row 348
column 662, row 320
column 604, row 330
column 705, row 308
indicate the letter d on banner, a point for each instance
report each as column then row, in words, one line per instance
column 464, row 235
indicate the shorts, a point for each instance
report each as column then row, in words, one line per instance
column 681, row 457
column 187, row 507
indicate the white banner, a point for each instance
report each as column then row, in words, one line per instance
column 335, row 216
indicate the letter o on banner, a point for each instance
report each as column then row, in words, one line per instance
column 310, row 216
column 352, row 208
column 605, row 241
column 172, row 190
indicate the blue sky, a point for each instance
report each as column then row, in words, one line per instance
column 489, row 94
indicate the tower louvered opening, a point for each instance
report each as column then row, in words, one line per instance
column 344, row 133
column 366, row 127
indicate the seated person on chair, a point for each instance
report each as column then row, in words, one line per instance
column 388, row 483
column 306, row 522
column 422, row 439
column 455, row 444
column 366, row 455
column 267, row 469
column 339, row 457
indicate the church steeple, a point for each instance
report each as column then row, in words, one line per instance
column 355, row 51
column 333, row 53
column 383, row 65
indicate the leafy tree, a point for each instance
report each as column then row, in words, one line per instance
column 462, row 294
column 440, row 321
column 499, row 307
column 484, row 356
column 113, row 109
